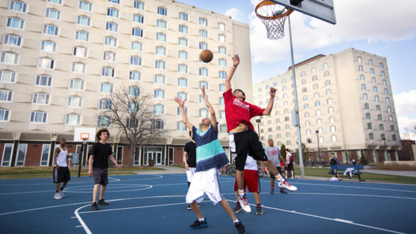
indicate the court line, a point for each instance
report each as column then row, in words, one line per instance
column 341, row 186
column 359, row 195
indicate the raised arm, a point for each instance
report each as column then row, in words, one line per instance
column 181, row 104
column 236, row 61
column 210, row 109
column 269, row 107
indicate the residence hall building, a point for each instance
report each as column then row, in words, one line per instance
column 60, row 58
column 345, row 102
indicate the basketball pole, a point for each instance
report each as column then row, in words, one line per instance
column 295, row 113
column 80, row 157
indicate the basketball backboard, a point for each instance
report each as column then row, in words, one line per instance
column 84, row 134
column 321, row 9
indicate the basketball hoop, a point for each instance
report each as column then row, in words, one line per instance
column 273, row 17
column 85, row 136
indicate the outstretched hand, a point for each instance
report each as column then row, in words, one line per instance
column 236, row 60
column 203, row 91
column 272, row 92
column 180, row 102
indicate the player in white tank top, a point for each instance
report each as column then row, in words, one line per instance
column 61, row 172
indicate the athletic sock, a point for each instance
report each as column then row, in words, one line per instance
column 280, row 178
column 236, row 221
column 57, row 191
column 202, row 220
column 272, row 187
column 62, row 188
column 258, row 205
column 241, row 193
column 189, row 184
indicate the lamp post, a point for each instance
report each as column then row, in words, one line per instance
column 385, row 148
column 258, row 127
column 319, row 150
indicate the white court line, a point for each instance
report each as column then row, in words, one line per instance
column 42, row 208
column 341, row 186
column 356, row 195
column 131, row 208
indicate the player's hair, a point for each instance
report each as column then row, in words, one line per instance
column 287, row 150
column 241, row 92
column 97, row 136
column 190, row 133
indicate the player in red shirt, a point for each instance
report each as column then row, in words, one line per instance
column 243, row 139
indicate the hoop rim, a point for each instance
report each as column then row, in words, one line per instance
column 268, row 3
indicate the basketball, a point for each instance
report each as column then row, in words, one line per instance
column 206, row 56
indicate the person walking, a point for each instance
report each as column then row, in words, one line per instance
column 61, row 173
column 189, row 158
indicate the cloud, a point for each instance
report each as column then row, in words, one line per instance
column 233, row 12
column 405, row 102
column 371, row 20
column 405, row 124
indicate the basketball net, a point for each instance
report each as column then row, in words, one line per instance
column 273, row 17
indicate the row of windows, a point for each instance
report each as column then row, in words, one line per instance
column 303, row 81
column 370, row 61
column 373, row 80
column 382, row 137
column 380, row 127
column 360, row 68
column 376, row 98
column 375, row 89
column 379, row 117
column 367, row 107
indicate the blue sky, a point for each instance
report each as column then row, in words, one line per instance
column 374, row 26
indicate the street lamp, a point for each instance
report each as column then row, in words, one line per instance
column 319, row 150
column 258, row 127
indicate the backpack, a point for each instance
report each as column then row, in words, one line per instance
column 290, row 159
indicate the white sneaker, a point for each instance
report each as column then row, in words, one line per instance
column 244, row 204
column 57, row 196
column 287, row 186
column 61, row 192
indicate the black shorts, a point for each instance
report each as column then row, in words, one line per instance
column 289, row 167
column 246, row 143
column 279, row 170
column 101, row 176
column 61, row 174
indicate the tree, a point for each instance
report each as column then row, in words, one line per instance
column 283, row 151
column 132, row 112
column 305, row 153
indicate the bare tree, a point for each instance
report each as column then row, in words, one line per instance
column 133, row 112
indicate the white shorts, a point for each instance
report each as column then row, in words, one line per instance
column 190, row 173
column 205, row 183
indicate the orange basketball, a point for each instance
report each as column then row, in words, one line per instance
column 206, row 56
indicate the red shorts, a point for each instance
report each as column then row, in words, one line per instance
column 282, row 165
column 251, row 181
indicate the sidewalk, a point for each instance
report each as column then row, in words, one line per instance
column 385, row 172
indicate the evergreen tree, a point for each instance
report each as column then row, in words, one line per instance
column 363, row 160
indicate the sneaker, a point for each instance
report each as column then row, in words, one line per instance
column 198, row 224
column 102, row 202
column 189, row 207
column 244, row 203
column 94, row 206
column 62, row 193
column 259, row 210
column 58, row 196
column 237, row 208
column 272, row 191
column 240, row 227
column 286, row 185
column 283, row 191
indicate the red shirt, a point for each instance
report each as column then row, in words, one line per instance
column 237, row 111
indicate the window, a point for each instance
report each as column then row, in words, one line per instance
column 50, row 30
column 12, row 40
column 203, row 72
column 157, row 124
column 9, row 58
column 159, row 79
column 103, row 121
column 314, row 78
column 325, row 66
column 367, row 116
column 372, row 70
column 329, row 101
column 72, row 119
column 373, row 80
column 369, row 126
column 183, row 16
column 83, row 20
column 38, row 117
column 306, row 114
column 201, row 100
column 183, row 29
column 366, row 106
column 49, row 46
column 78, row 67
column 317, row 103
column 389, row 109
column 18, row 6
column 221, row 38
column 379, row 117
column 362, row 77
column 182, row 95
column 4, row 115
column 284, row 88
column 390, row 118
column 182, row 68
column 304, row 90
column 378, row 108
column 81, row 52
column 328, row 82
column 182, row 82
column 86, row 6
column 222, row 50
column 319, row 121
column 203, row 46
column 161, row 37
column 326, row 74
column 140, row 19
column 363, row 87
column 384, row 82
column 303, row 81
column 134, row 60
column 182, row 55
column 302, row 74
column 82, row 36
column 383, row 136
column 139, row 5
column 222, row 87
column 365, row 96
column 370, row 62
column 137, row 32
column 161, row 24
column 313, row 70
column 202, row 84
column 333, row 138
column 331, row 119
column 74, row 101
column 76, row 84
column 316, row 95
column 162, row 11
column 393, row 137
column 376, row 99
column 107, row 71
column 40, row 98
column 392, row 127
column 158, row 109
column 305, row 98
column 43, row 80
column 161, row 50
column 360, row 68
column 203, row 21
column 307, row 123
column 203, row 33
column 178, row 112
column 183, row 41
column 158, row 93
column 375, row 89
column 332, row 129
column 105, row 104
column 371, row 136
column 222, row 114
column 137, row 46
column 112, row 27
column 15, row 23
column 381, row 126
column 7, row 76
column 6, row 95
column 113, row 12
column 132, row 123
column 109, row 56
column 331, row 110
column 55, row 1
column 45, row 63
column 180, row 126
column 134, row 91
column 222, row 62
column 135, row 75
column 159, row 64
column 386, row 91
column 203, row 113
column 387, row 100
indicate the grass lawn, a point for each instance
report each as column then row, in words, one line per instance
column 42, row 172
column 322, row 172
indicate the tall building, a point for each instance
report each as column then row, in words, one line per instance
column 345, row 103
column 60, row 58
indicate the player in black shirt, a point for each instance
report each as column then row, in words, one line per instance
column 190, row 161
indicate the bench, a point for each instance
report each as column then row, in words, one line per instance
column 340, row 169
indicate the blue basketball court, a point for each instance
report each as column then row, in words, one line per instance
column 156, row 204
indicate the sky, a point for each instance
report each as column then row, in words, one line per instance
column 374, row 26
